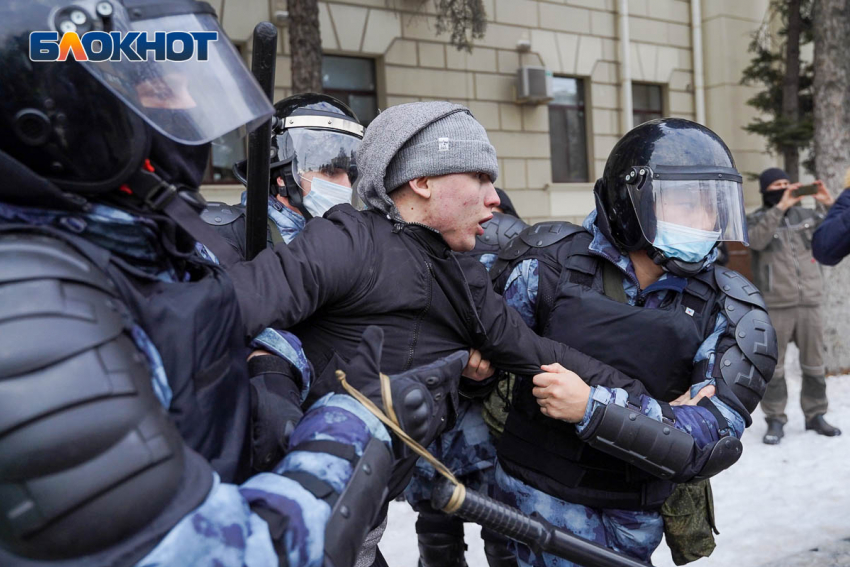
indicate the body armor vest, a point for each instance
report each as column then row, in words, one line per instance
column 209, row 407
column 211, row 403
column 654, row 346
column 211, row 400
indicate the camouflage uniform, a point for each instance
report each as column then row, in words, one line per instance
column 636, row 533
column 224, row 531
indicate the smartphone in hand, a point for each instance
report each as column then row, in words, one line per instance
column 805, row 190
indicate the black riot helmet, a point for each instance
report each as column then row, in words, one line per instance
column 88, row 126
column 670, row 187
column 314, row 133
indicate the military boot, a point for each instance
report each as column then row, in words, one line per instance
column 774, row 432
column 441, row 550
column 819, row 424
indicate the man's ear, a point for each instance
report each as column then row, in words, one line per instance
column 421, row 186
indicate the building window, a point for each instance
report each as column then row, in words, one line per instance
column 352, row 80
column 568, row 131
column 226, row 151
column 646, row 103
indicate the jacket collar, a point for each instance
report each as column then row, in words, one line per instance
column 427, row 237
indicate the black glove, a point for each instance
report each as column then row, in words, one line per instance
column 424, row 398
column 275, row 409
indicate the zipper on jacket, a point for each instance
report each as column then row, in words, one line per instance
column 418, row 323
column 400, row 226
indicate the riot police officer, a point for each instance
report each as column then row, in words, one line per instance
column 124, row 388
column 314, row 142
column 635, row 286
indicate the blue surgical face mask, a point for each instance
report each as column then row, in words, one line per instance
column 323, row 195
column 683, row 242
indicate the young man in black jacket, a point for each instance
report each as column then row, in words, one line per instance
column 426, row 175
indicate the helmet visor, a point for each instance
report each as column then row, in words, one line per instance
column 699, row 209
column 328, row 152
column 191, row 102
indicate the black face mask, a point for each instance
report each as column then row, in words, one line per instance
column 179, row 164
column 771, row 198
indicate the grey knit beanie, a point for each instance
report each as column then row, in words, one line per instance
column 420, row 139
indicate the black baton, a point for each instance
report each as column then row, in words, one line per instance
column 259, row 143
column 533, row 531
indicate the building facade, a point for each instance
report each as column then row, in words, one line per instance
column 379, row 53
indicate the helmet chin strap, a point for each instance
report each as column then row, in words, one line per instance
column 674, row 265
column 292, row 191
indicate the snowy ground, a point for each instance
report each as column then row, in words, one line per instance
column 775, row 502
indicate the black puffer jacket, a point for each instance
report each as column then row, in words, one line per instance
column 353, row 269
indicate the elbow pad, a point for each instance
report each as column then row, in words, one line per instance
column 747, row 366
column 656, row 446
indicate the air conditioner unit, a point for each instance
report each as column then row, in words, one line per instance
column 534, row 85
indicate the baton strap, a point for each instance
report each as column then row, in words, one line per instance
column 459, row 490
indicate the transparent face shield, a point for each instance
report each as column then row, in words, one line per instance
column 325, row 155
column 191, row 102
column 680, row 213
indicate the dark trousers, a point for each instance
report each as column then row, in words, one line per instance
column 803, row 326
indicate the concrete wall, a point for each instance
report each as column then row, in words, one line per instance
column 576, row 38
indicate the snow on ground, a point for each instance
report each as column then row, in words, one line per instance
column 775, row 502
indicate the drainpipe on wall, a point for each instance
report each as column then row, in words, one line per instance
column 696, row 41
column 626, row 118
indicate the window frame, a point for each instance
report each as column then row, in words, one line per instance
column 341, row 94
column 583, row 84
column 661, row 112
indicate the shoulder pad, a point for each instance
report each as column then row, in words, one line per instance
column 28, row 256
column 539, row 235
column 547, row 233
column 738, row 287
column 53, row 314
column 220, row 214
column 498, row 232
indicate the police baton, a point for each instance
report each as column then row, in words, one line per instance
column 259, row 142
column 533, row 531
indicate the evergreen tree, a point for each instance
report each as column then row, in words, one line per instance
column 464, row 19
column 787, row 96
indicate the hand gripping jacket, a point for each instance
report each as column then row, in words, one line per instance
column 749, row 356
column 570, row 290
column 81, row 431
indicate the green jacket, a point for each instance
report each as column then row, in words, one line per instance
column 783, row 266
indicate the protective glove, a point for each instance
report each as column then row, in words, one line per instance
column 423, row 399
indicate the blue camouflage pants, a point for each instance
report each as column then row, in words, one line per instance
column 467, row 450
column 634, row 533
